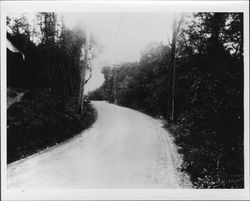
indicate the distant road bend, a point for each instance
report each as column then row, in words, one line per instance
column 123, row 149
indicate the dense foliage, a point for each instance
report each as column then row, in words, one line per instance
column 208, row 96
column 40, row 121
column 52, row 53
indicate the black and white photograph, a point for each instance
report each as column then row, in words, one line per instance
column 150, row 96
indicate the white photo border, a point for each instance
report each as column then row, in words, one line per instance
column 124, row 6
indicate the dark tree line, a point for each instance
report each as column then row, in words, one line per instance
column 208, row 109
column 50, row 76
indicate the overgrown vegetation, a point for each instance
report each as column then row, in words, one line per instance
column 208, row 93
column 40, row 121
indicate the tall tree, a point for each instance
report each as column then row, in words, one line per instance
column 84, row 66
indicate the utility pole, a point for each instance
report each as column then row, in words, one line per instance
column 176, row 28
column 115, row 67
column 173, row 61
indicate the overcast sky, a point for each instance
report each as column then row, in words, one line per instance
column 122, row 35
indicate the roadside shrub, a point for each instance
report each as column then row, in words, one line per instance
column 208, row 164
column 97, row 95
column 41, row 120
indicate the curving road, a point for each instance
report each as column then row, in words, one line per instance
column 123, row 149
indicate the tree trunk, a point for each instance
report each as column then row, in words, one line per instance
column 84, row 67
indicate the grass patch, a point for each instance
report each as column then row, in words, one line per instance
column 40, row 121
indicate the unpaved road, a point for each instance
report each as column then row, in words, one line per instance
column 123, row 149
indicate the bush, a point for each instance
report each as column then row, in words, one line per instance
column 208, row 166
